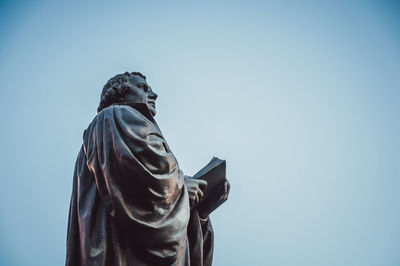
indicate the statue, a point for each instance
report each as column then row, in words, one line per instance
column 130, row 203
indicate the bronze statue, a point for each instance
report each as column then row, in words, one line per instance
column 130, row 203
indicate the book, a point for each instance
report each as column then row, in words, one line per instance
column 215, row 175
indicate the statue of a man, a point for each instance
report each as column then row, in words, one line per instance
column 130, row 203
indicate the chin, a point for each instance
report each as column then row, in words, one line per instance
column 152, row 109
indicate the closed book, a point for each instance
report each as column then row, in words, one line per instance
column 215, row 175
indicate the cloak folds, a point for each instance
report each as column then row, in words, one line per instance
column 129, row 203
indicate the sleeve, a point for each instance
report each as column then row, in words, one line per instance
column 201, row 240
column 137, row 176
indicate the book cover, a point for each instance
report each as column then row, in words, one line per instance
column 215, row 175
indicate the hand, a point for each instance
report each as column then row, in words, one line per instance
column 227, row 188
column 196, row 188
column 218, row 198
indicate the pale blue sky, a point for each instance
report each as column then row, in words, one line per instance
column 301, row 99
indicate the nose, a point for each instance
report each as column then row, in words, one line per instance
column 153, row 95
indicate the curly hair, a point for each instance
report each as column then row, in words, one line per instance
column 115, row 89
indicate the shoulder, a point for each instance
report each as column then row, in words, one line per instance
column 121, row 120
column 123, row 113
column 123, row 110
column 125, row 118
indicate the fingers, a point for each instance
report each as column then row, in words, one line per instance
column 200, row 193
column 193, row 200
column 227, row 186
column 202, row 184
column 196, row 188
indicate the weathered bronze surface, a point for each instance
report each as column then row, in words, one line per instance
column 130, row 203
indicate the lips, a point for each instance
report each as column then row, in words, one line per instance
column 152, row 103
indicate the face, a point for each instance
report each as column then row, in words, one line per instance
column 140, row 92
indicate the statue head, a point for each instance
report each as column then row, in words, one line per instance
column 128, row 87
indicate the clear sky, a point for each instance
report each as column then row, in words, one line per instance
column 302, row 98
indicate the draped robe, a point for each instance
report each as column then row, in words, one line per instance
column 129, row 203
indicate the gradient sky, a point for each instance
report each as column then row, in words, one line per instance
column 302, row 98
